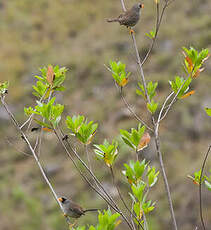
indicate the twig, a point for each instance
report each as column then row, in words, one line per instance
column 14, row 121
column 122, row 199
column 128, row 106
column 86, row 167
column 32, row 115
column 168, row 193
column 200, row 187
column 131, row 215
column 123, row 5
column 140, row 67
column 162, row 108
column 157, row 143
column 81, row 173
column 173, row 100
column 113, row 204
column 88, row 158
column 41, row 130
column 158, row 23
column 132, row 112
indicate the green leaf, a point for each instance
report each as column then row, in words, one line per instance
column 41, row 123
column 132, row 139
column 119, row 73
column 208, row 111
column 138, row 190
column 83, row 130
column 208, row 185
column 4, row 87
column 151, row 34
column 152, row 106
column 107, row 152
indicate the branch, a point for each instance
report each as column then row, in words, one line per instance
column 29, row 120
column 122, row 199
column 158, row 23
column 14, row 121
column 200, row 188
column 84, row 177
column 173, row 100
column 132, row 112
column 108, row 199
column 128, row 106
column 168, row 193
column 153, row 121
column 161, row 111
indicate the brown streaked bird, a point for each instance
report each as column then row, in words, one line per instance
column 72, row 209
column 130, row 17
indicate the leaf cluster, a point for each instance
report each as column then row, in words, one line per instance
column 51, row 79
column 119, row 73
column 141, row 177
column 81, row 128
column 107, row 152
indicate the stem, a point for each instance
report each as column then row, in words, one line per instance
column 84, row 177
column 132, row 112
column 113, row 204
column 168, row 193
column 121, row 197
column 200, row 188
column 32, row 151
column 172, row 102
column 153, row 120
column 32, row 115
column 158, row 23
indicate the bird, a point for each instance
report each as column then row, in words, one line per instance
column 130, row 17
column 72, row 209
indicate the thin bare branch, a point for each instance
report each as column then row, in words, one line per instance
column 158, row 23
column 14, row 121
column 122, row 199
column 168, row 193
column 29, row 120
column 132, row 112
column 200, row 188
column 173, row 100
column 108, row 199
column 157, row 143
column 161, row 111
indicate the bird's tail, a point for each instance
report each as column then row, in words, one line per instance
column 112, row 20
column 91, row 210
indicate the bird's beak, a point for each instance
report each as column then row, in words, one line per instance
column 142, row 5
column 60, row 199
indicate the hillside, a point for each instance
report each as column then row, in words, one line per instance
column 75, row 34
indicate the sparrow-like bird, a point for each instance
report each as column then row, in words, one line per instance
column 130, row 17
column 72, row 209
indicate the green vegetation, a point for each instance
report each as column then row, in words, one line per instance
column 69, row 33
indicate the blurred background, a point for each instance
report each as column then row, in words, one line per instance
column 75, row 34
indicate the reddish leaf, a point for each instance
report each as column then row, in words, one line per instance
column 188, row 94
column 144, row 141
column 123, row 82
column 50, row 75
column 47, row 129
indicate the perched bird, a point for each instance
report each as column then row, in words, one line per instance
column 130, row 17
column 72, row 209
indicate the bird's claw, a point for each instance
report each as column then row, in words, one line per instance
column 132, row 31
column 72, row 225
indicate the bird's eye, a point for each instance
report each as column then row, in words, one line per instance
column 141, row 5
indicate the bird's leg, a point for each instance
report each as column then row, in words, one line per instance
column 131, row 31
column 72, row 225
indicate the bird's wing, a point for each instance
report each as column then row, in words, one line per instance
column 77, row 209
